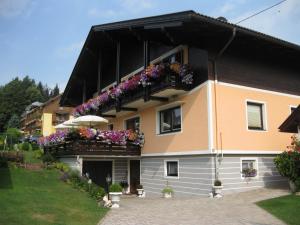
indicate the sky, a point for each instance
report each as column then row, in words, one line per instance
column 43, row 38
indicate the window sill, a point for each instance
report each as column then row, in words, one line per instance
column 256, row 130
column 169, row 133
column 170, row 177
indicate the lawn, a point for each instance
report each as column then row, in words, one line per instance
column 39, row 197
column 286, row 208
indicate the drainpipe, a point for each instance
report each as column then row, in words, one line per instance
column 218, row 56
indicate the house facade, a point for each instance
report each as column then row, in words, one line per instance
column 217, row 121
column 41, row 118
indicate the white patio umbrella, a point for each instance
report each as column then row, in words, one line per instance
column 62, row 126
column 89, row 120
column 70, row 123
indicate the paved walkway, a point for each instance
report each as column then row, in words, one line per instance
column 232, row 209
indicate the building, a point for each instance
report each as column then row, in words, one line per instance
column 222, row 123
column 41, row 118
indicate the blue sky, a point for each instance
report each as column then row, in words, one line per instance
column 43, row 39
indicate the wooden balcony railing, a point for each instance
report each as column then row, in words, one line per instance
column 93, row 147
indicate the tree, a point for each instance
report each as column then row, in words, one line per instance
column 14, row 121
column 55, row 91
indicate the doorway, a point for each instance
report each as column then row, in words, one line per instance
column 98, row 171
column 134, row 175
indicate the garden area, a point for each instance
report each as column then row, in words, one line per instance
column 285, row 208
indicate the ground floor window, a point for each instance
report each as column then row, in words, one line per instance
column 171, row 168
column 249, row 167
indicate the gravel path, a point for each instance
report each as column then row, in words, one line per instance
column 232, row 209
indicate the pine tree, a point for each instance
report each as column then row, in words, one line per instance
column 55, row 91
column 14, row 122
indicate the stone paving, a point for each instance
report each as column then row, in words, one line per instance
column 232, row 209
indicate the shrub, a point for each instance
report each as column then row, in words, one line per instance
column 62, row 167
column 217, row 183
column 139, row 186
column 25, row 146
column 64, row 177
column 48, row 158
column 168, row 190
column 115, row 188
column 38, row 154
column 124, row 184
column 35, row 146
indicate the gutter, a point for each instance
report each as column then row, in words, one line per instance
column 218, row 56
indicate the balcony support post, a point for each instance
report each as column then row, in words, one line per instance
column 147, row 90
column 84, row 91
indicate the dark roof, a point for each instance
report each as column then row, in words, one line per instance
column 290, row 125
column 187, row 27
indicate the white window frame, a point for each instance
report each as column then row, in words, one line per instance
column 264, row 115
column 256, row 167
column 166, row 169
column 164, row 107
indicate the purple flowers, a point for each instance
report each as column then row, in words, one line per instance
column 119, row 137
column 151, row 73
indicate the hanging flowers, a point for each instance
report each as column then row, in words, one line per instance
column 150, row 74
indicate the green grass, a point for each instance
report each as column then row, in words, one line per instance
column 286, row 208
column 39, row 197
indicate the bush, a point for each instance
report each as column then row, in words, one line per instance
column 217, row 183
column 48, row 158
column 124, row 184
column 26, row 146
column 115, row 188
column 62, row 167
column 38, row 153
column 168, row 190
column 64, row 177
column 35, row 146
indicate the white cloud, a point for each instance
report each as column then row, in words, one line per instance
column 281, row 21
column 12, row 8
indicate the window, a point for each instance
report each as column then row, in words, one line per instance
column 110, row 126
column 176, row 57
column 133, row 124
column 171, row 168
column 249, row 167
column 170, row 120
column 255, row 116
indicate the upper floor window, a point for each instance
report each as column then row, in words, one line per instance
column 133, row 124
column 255, row 116
column 170, row 120
column 174, row 58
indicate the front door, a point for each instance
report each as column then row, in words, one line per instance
column 134, row 175
column 98, row 171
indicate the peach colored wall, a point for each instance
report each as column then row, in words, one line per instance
column 232, row 124
column 194, row 135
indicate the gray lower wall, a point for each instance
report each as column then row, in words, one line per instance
column 71, row 162
column 195, row 175
column 230, row 173
column 120, row 170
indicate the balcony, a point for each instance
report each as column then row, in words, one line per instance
column 155, row 84
column 88, row 141
column 93, row 147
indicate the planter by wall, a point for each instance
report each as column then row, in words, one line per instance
column 293, row 186
column 115, row 199
column 167, row 195
column 217, row 191
column 140, row 192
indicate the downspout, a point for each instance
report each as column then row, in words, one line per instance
column 218, row 56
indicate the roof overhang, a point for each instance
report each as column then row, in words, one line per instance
column 291, row 124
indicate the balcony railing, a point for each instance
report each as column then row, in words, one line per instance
column 93, row 147
column 153, row 83
column 88, row 141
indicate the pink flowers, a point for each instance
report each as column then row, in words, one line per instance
column 151, row 73
column 119, row 137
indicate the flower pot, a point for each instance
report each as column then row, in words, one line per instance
column 217, row 191
column 140, row 192
column 115, row 199
column 293, row 186
column 167, row 195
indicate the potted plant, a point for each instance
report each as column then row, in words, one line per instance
column 249, row 172
column 167, row 192
column 140, row 190
column 217, row 189
column 124, row 185
column 115, row 191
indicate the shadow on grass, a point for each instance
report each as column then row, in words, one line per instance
column 5, row 178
